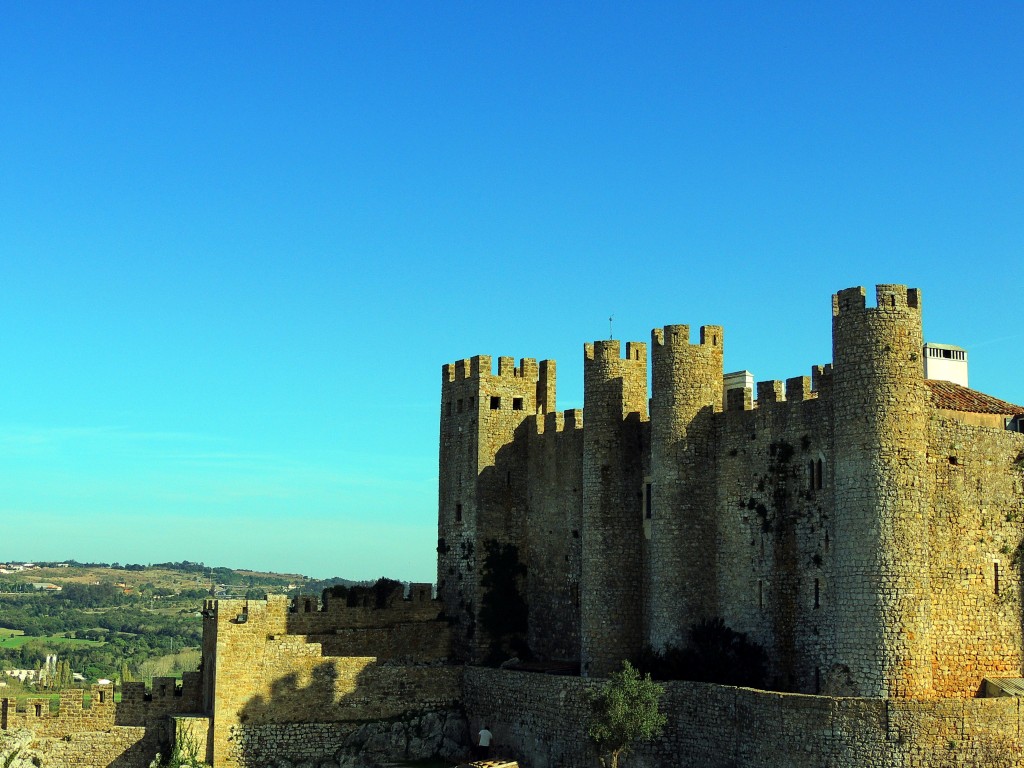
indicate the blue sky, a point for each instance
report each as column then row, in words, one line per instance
column 238, row 241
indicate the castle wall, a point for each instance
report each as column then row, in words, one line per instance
column 775, row 537
column 72, row 715
column 553, row 539
column 321, row 620
column 267, row 677
column 413, row 737
column 138, row 707
column 118, row 747
column 541, row 720
column 126, row 734
column 975, row 536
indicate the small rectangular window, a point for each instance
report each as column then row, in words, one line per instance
column 458, row 513
column 517, row 403
column 472, row 402
column 495, row 403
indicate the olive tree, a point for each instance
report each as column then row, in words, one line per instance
column 624, row 710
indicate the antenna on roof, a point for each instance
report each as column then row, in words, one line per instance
column 610, row 336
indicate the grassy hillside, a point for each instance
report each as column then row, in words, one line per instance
column 113, row 621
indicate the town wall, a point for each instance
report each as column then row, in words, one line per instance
column 138, row 707
column 541, row 720
column 126, row 734
column 118, row 747
column 309, row 615
column 975, row 525
column 268, row 677
column 415, row 736
column 553, row 540
column 775, row 539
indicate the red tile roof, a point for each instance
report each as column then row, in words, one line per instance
column 953, row 397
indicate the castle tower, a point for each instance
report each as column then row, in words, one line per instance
column 687, row 383
column 482, row 482
column 881, row 557
column 615, row 412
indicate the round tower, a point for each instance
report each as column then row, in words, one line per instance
column 880, row 402
column 615, row 417
column 687, row 390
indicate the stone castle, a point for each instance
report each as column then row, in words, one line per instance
column 863, row 524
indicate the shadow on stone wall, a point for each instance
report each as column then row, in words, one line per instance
column 141, row 753
column 332, row 718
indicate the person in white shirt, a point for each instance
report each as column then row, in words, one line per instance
column 484, row 743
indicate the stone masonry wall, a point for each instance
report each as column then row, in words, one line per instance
column 615, row 403
column 975, row 534
column 553, row 543
column 869, row 541
column 687, row 391
column 881, row 564
column 482, row 481
column 118, row 747
column 267, row 677
column 775, row 532
column 412, row 737
column 127, row 734
column 541, row 721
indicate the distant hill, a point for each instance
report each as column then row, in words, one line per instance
column 162, row 579
column 121, row 621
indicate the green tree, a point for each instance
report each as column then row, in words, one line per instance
column 623, row 710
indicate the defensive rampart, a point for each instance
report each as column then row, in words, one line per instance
column 541, row 720
column 96, row 732
column 269, row 684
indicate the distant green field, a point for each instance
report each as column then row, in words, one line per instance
column 16, row 641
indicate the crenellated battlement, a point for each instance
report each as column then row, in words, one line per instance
column 794, row 390
column 769, row 392
column 610, row 349
column 96, row 710
column 570, row 420
column 675, row 336
column 481, row 367
column 888, row 297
